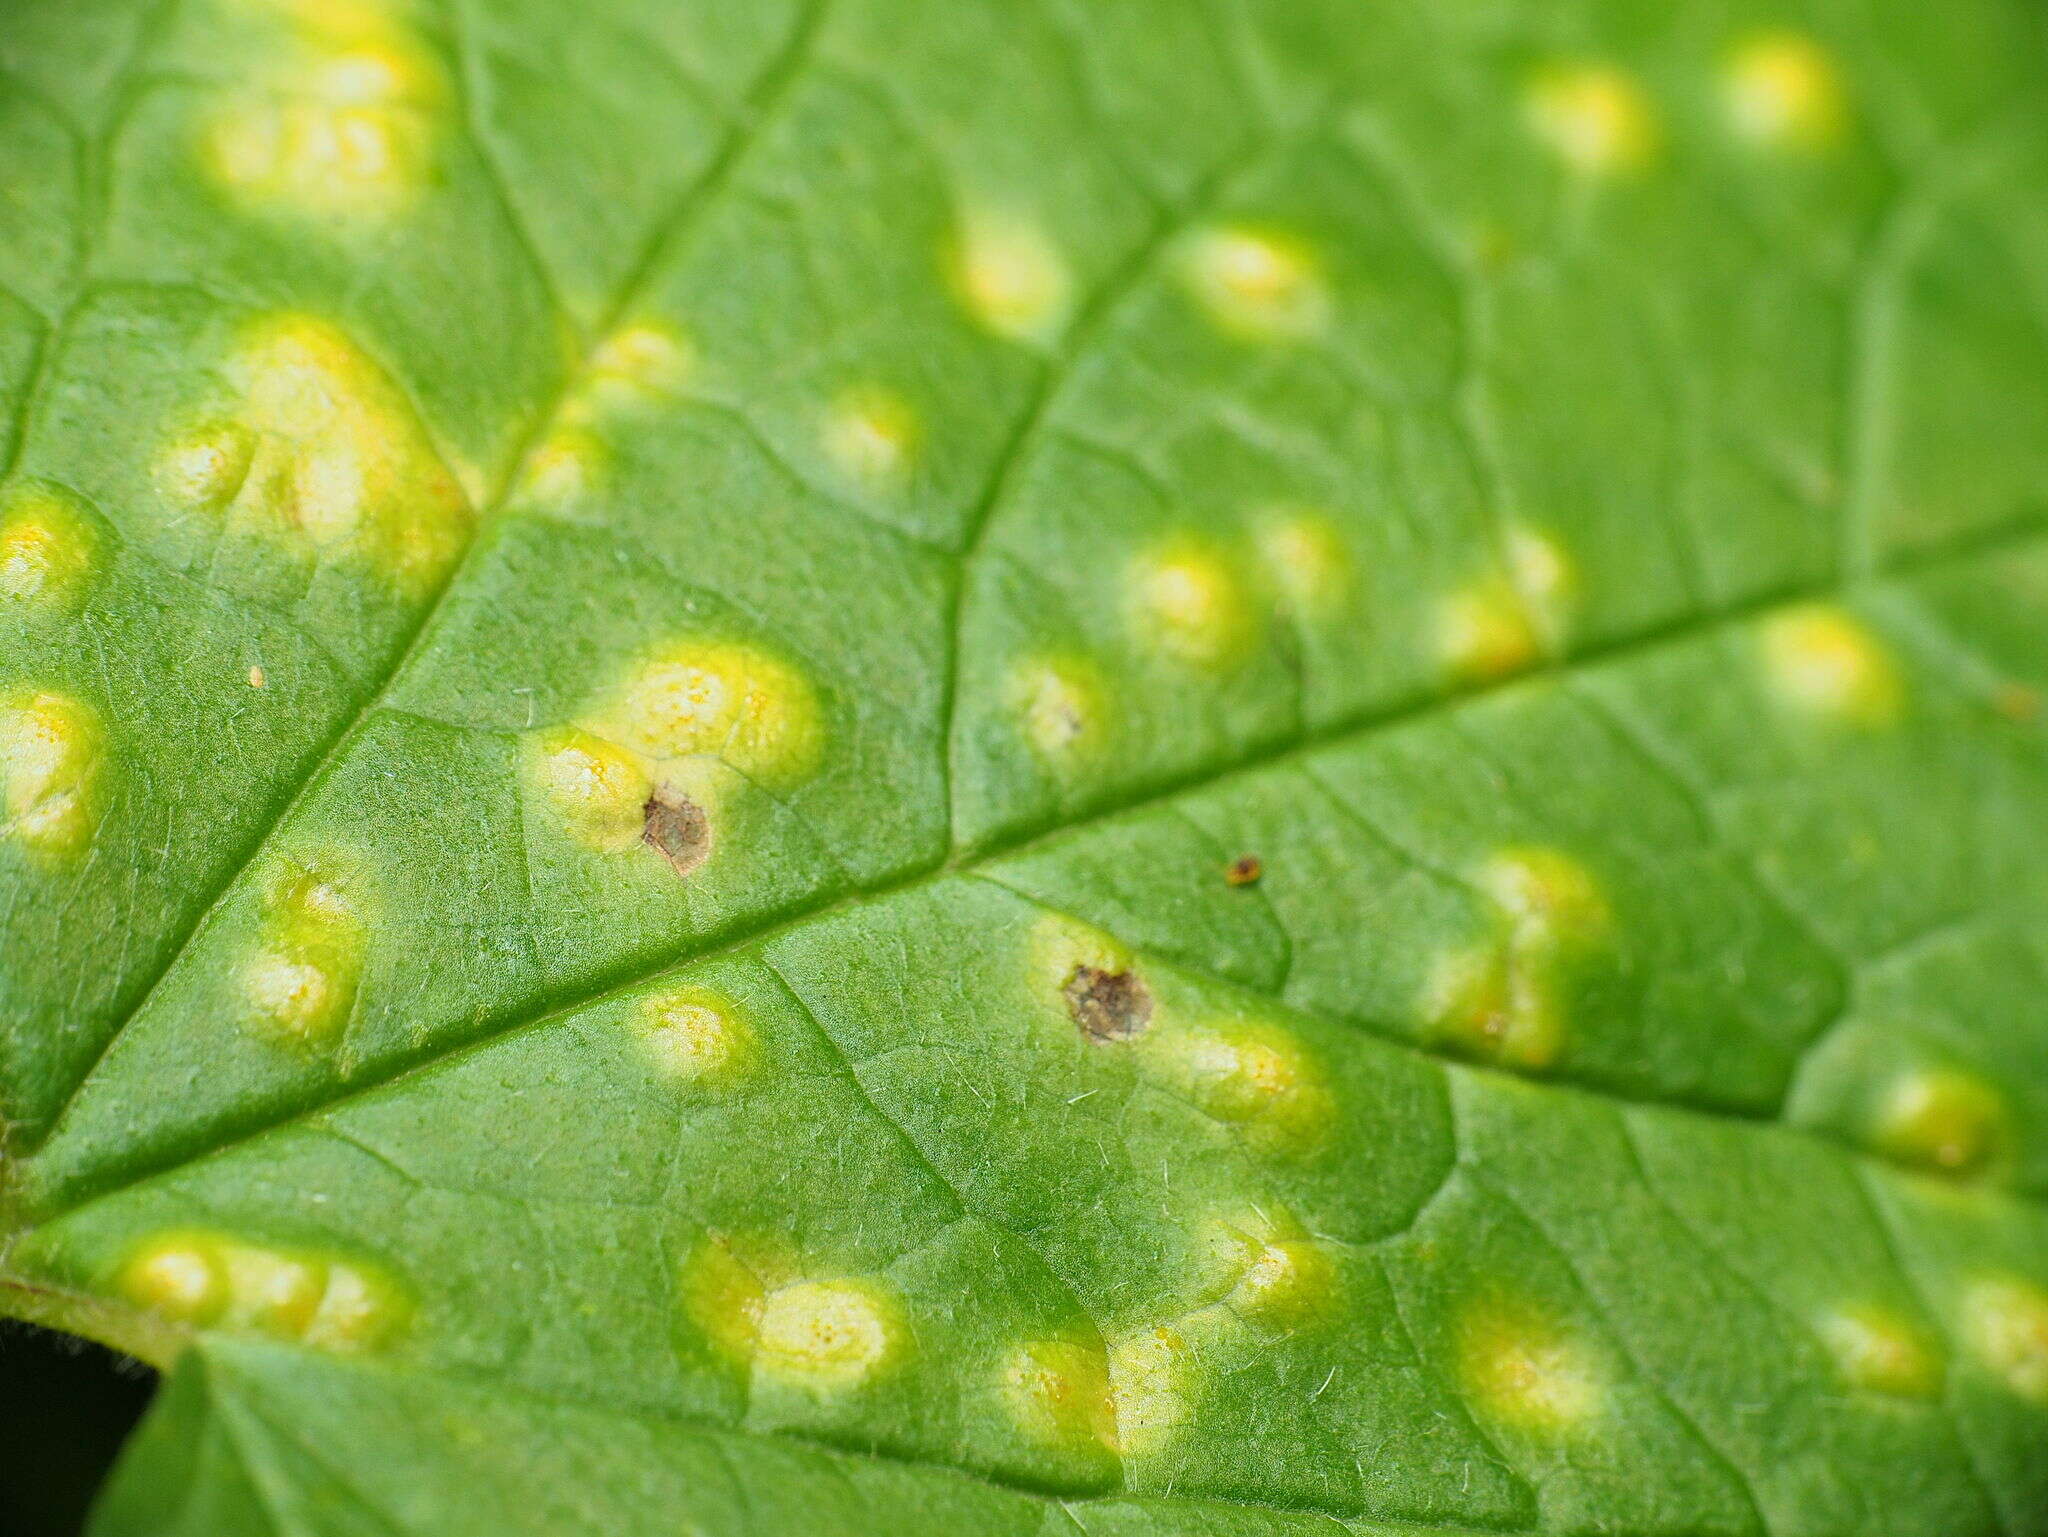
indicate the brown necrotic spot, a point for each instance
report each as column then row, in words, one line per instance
column 1107, row 1005
column 1244, row 870
column 676, row 827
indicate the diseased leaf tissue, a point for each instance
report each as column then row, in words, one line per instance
column 1231, row 766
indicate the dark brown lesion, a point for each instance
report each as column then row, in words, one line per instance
column 1107, row 1005
column 677, row 828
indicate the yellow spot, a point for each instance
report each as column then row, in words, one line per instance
column 1948, row 1121
column 723, row 1285
column 1499, row 1002
column 600, row 791
column 46, row 548
column 273, row 1292
column 1011, row 276
column 300, row 983
column 1488, row 631
column 1880, row 1351
column 1061, row 705
column 51, row 752
column 695, row 1036
column 1822, row 662
column 563, row 468
column 637, row 363
column 204, row 470
column 1058, row 1391
column 1781, row 91
column 2005, row 1324
column 1272, row 1272
column 1524, row 1371
column 1503, row 625
column 324, row 451
column 257, row 678
column 720, row 699
column 343, row 124
column 1152, row 1388
column 356, row 1310
column 1306, row 562
column 1251, row 1075
column 1188, row 603
column 1593, row 117
column 870, row 435
column 1547, row 897
column 180, row 1280
column 1489, row 1004
column 1542, row 575
column 205, row 1280
column 827, row 1335
column 1257, row 284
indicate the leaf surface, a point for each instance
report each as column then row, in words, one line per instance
column 1230, row 767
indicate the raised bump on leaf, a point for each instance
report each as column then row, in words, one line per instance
column 1188, row 603
column 345, row 121
column 1501, row 1000
column 1062, row 707
column 692, row 1035
column 598, row 788
column 832, row 1334
column 1277, row 1275
column 1593, row 117
column 1501, row 625
column 1010, row 275
column 52, row 759
column 870, row 435
column 1255, row 283
column 1485, row 632
column 640, row 364
column 1058, row 1392
column 826, row 1334
column 209, row 1280
column 1548, row 897
column 1253, row 1075
column 1089, row 982
column 1880, row 1350
column 318, row 449
column 1823, row 663
column 1781, row 91
column 299, row 983
column 1943, row 1119
column 1154, row 1387
column 1525, row 1370
column 637, row 363
column 47, row 549
column 1306, row 561
column 722, row 699
column 1542, row 572
column 2005, row 1326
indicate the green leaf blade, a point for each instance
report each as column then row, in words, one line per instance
column 1231, row 768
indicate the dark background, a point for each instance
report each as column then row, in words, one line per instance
column 65, row 1408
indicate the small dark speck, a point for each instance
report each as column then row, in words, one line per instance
column 1244, row 870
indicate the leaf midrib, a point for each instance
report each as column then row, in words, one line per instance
column 772, row 89
column 2017, row 532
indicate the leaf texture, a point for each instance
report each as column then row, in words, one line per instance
column 1240, row 767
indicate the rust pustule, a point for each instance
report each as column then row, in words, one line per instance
column 677, row 828
column 1107, row 1005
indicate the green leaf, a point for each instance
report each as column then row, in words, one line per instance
column 1235, row 767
